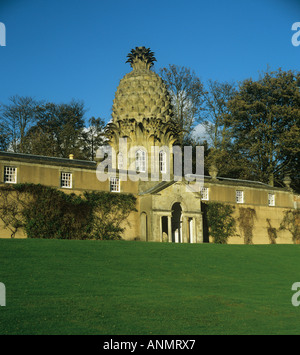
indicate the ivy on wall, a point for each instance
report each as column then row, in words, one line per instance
column 45, row 212
column 272, row 232
column 246, row 223
column 221, row 224
column 110, row 212
column 291, row 222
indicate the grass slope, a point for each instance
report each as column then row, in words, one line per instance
column 115, row 287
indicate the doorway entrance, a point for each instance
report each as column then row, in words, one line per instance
column 176, row 223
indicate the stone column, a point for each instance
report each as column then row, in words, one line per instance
column 198, row 229
column 184, row 229
column 191, row 230
column 194, row 230
column 155, row 230
column 170, row 229
column 160, row 228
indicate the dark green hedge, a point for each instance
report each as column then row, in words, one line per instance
column 45, row 212
column 221, row 223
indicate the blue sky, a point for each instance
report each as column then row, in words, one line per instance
column 63, row 49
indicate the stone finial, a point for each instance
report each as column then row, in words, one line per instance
column 287, row 181
column 213, row 172
column 141, row 94
column 141, row 58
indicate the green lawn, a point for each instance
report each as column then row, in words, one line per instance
column 117, row 287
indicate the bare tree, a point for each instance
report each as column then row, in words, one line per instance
column 186, row 91
column 16, row 118
column 93, row 136
column 216, row 97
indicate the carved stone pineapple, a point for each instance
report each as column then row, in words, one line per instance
column 141, row 93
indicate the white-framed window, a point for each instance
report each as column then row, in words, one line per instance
column 10, row 174
column 114, row 184
column 239, row 196
column 204, row 193
column 120, row 161
column 271, row 199
column 162, row 162
column 66, row 180
column 140, row 161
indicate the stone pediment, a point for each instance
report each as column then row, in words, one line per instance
column 175, row 187
column 158, row 187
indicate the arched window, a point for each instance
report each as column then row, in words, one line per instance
column 120, row 161
column 162, row 162
column 140, row 161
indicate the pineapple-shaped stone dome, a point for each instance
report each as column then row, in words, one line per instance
column 141, row 93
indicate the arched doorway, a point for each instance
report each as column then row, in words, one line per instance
column 176, row 223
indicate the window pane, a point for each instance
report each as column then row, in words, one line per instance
column 114, row 185
column 120, row 161
column 140, row 161
column 271, row 199
column 204, row 193
column 66, row 180
column 162, row 162
column 10, row 174
column 239, row 196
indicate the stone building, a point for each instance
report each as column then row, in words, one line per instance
column 140, row 160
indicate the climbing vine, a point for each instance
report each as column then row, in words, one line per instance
column 246, row 223
column 45, row 212
column 272, row 232
column 221, row 224
column 291, row 222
